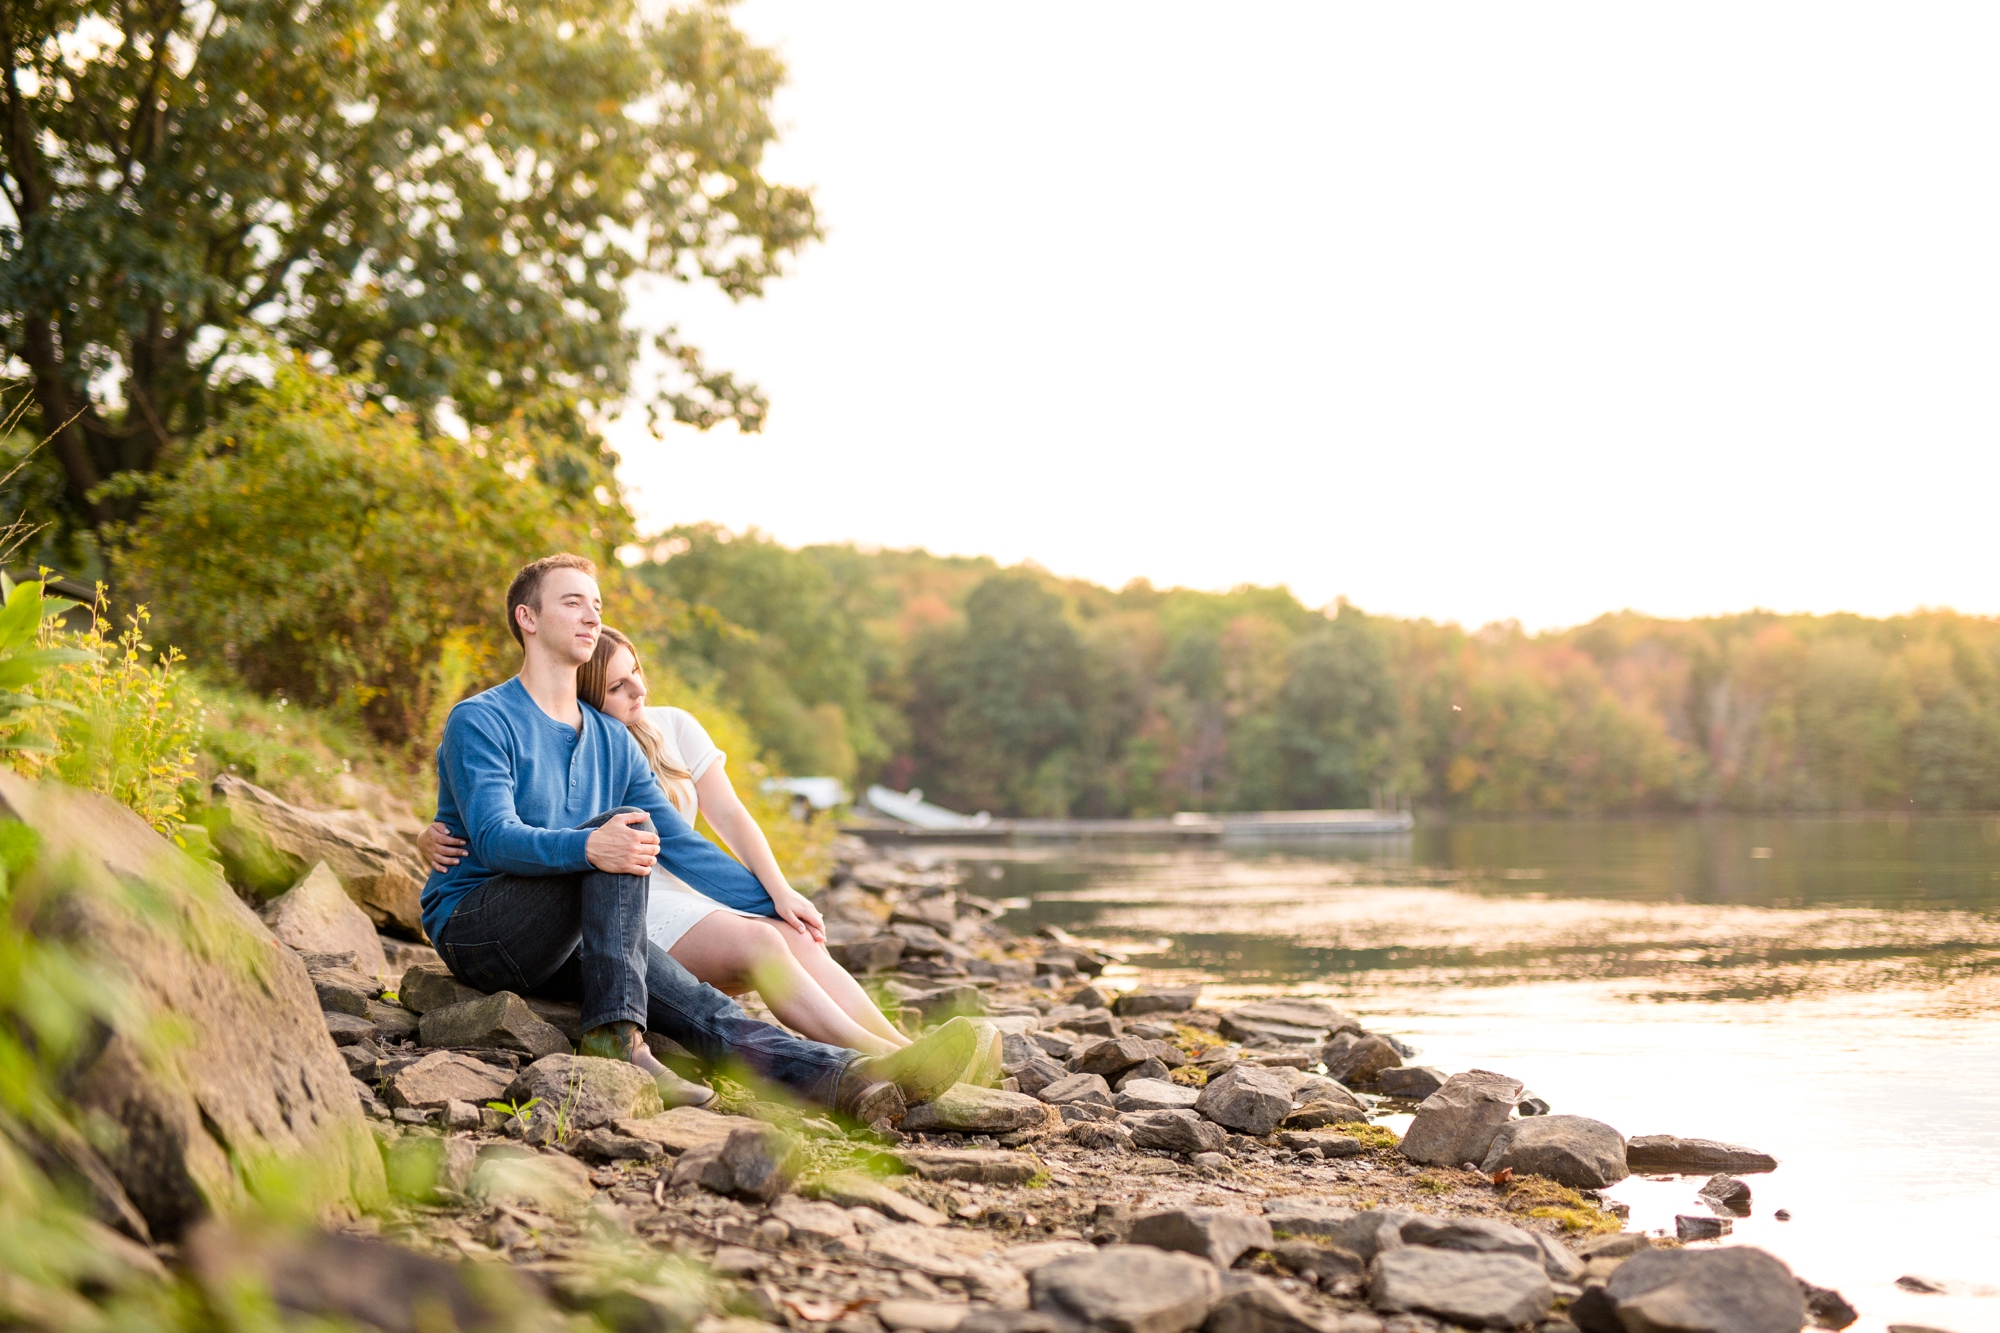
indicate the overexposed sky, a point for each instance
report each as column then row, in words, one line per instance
column 1463, row 311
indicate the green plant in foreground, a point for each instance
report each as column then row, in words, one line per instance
column 25, row 658
column 130, row 720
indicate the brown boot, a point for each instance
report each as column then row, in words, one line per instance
column 625, row 1041
column 865, row 1097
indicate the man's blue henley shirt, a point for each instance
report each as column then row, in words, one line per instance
column 515, row 784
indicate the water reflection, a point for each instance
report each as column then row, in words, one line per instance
column 1831, row 1002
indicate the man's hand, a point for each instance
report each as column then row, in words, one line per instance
column 797, row 911
column 618, row 847
column 439, row 849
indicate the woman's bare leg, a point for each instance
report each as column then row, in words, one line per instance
column 732, row 952
column 839, row 985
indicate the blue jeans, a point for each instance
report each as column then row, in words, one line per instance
column 583, row 938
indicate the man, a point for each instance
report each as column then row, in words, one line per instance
column 564, row 820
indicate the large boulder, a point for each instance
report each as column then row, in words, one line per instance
column 584, row 1092
column 267, row 845
column 1482, row 1290
column 1738, row 1289
column 1569, row 1149
column 1247, row 1099
column 1359, row 1060
column 316, row 916
column 1456, row 1124
column 251, row 1077
column 1127, row 1289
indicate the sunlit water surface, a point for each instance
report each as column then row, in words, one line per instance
column 1825, row 990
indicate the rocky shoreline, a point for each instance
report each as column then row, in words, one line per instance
column 1146, row 1165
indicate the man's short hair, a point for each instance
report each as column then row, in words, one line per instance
column 526, row 589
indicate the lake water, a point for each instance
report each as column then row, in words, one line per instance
column 1826, row 990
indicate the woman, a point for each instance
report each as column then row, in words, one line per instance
column 783, row 958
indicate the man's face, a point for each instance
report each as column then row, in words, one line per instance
column 566, row 624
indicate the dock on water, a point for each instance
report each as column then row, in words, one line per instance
column 886, row 815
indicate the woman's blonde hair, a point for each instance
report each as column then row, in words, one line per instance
column 592, row 679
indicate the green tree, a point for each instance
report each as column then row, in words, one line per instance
column 783, row 646
column 994, row 711
column 444, row 198
column 1337, row 716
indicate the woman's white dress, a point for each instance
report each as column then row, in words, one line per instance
column 672, row 906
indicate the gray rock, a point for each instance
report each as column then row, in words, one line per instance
column 1372, row 1232
column 1530, row 1104
column 1456, row 1124
column 1127, row 1289
column 1338, row 1272
column 392, row 1021
column 267, row 845
column 1150, row 1094
column 1323, row 1114
column 1699, row 1226
column 1150, row 1070
column 461, row 1116
column 501, row 1021
column 1737, row 1289
column 1017, row 1048
column 606, row 1145
column 984, row 1166
column 1078, row 1087
column 1110, row 1058
column 1473, row 1235
column 1722, row 1191
column 1303, row 1217
column 812, row 1222
column 1101, row 1136
column 752, row 1163
column 1173, row 1131
column 1056, row 1043
column 427, row 986
column 1414, row 1081
column 1092, row 996
column 1036, row 1074
column 868, row 952
column 1157, row 1000
column 566, row 1017
column 441, row 1077
column 1827, row 1308
column 947, row 1002
column 346, row 1029
column 1072, row 1112
column 1568, row 1149
column 1247, row 1099
column 1289, row 1022
column 1098, row 1023
column 1361, row 1060
column 1693, row 1157
column 856, row 1189
column 967, row 1109
column 1483, row 1290
column 1218, row 1236
column 345, row 991
column 584, row 1092
column 316, row 916
column 1330, row 1144
column 1558, row 1260
column 1252, row 1304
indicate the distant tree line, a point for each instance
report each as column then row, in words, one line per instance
column 1013, row 691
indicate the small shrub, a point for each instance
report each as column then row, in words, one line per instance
column 123, row 717
column 322, row 548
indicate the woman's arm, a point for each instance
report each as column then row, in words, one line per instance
column 739, row 831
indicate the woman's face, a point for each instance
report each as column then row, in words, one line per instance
column 624, row 687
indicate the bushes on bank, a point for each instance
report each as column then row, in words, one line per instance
column 325, row 550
